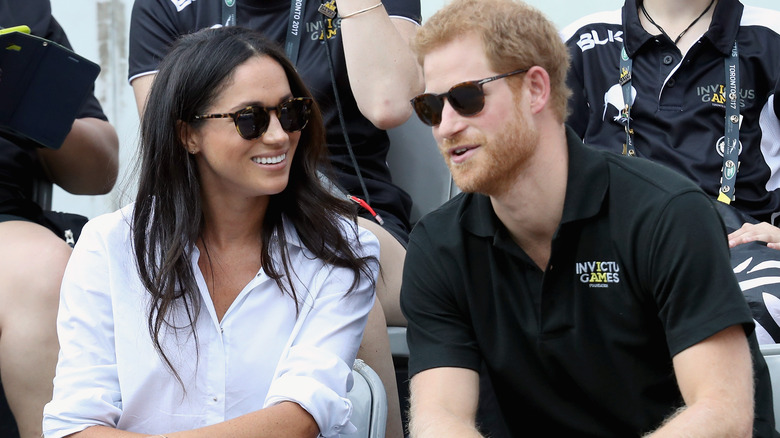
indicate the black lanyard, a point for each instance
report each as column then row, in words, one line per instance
column 625, row 113
column 731, row 145
column 293, row 42
column 229, row 12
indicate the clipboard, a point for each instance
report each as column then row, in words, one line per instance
column 42, row 87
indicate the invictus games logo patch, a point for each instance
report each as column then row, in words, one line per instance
column 598, row 274
column 716, row 95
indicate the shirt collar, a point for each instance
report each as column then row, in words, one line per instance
column 586, row 188
column 722, row 31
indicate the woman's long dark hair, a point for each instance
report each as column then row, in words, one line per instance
column 168, row 215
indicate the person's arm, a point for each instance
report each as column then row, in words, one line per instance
column 285, row 419
column 141, row 86
column 443, row 403
column 383, row 71
column 760, row 232
column 715, row 378
column 88, row 161
column 704, row 315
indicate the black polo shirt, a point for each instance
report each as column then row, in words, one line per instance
column 639, row 271
column 678, row 111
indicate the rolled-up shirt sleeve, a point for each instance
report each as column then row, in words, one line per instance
column 315, row 370
column 86, row 379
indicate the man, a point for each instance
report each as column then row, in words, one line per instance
column 588, row 283
column 684, row 62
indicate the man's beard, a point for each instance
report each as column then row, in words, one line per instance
column 500, row 160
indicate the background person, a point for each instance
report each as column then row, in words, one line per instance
column 34, row 251
column 682, row 79
column 230, row 298
column 561, row 267
column 679, row 91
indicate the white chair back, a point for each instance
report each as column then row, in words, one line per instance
column 369, row 402
column 771, row 353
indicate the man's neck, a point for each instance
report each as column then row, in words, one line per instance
column 676, row 18
column 532, row 207
column 676, row 10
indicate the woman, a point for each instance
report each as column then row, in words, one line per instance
column 354, row 56
column 230, row 299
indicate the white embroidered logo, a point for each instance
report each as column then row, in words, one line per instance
column 598, row 274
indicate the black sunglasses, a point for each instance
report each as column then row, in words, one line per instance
column 252, row 121
column 466, row 98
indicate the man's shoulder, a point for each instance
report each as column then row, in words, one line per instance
column 585, row 26
column 753, row 16
column 633, row 173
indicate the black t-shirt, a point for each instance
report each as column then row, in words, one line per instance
column 19, row 164
column 155, row 24
column 639, row 271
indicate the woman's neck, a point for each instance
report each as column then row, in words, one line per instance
column 227, row 223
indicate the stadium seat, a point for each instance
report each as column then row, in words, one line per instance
column 771, row 353
column 369, row 402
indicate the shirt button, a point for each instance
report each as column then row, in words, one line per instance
column 668, row 59
column 215, row 399
column 670, row 83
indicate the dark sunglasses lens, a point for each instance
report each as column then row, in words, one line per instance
column 252, row 122
column 294, row 114
column 428, row 108
column 467, row 98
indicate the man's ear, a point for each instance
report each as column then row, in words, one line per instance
column 538, row 83
column 188, row 136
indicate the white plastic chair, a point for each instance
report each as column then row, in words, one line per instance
column 369, row 402
column 771, row 353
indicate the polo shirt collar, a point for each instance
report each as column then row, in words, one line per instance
column 725, row 25
column 586, row 188
column 722, row 31
column 587, row 182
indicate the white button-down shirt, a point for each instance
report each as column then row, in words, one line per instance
column 260, row 353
